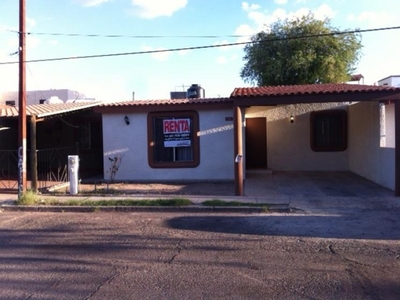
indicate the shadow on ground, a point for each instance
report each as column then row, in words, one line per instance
column 366, row 225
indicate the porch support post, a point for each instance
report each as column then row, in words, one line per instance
column 397, row 148
column 33, row 154
column 238, row 150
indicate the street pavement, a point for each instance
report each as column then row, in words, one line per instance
column 199, row 256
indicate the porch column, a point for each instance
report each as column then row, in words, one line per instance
column 238, row 150
column 397, row 148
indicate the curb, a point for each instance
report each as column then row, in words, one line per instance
column 167, row 209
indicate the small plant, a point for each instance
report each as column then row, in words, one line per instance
column 115, row 164
column 28, row 198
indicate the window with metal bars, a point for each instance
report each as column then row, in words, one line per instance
column 328, row 130
column 173, row 140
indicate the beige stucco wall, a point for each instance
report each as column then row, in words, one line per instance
column 366, row 157
column 130, row 141
column 288, row 144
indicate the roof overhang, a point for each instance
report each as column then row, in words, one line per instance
column 48, row 110
column 317, row 98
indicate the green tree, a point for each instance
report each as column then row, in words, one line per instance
column 301, row 51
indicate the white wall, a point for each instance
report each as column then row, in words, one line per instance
column 216, row 148
column 366, row 157
column 34, row 97
column 389, row 126
column 390, row 81
column 288, row 144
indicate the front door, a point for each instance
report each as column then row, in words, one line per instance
column 256, row 143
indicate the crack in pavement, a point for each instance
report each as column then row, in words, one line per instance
column 178, row 246
column 114, row 275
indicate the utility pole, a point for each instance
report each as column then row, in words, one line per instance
column 22, row 101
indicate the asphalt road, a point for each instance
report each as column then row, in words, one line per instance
column 196, row 256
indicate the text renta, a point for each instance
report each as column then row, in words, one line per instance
column 176, row 126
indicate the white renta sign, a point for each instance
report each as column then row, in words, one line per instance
column 177, row 133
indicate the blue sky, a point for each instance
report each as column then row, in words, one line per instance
column 153, row 76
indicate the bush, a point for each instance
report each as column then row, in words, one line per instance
column 28, row 198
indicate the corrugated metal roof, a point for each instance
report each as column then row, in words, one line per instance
column 46, row 110
column 307, row 89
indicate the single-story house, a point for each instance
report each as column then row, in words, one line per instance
column 316, row 127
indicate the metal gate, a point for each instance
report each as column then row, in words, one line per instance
column 52, row 168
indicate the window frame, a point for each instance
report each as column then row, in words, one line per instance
column 343, row 130
column 195, row 140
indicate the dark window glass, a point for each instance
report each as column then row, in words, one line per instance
column 173, row 140
column 329, row 130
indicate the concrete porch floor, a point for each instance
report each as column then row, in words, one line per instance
column 311, row 184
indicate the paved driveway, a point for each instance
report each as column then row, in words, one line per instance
column 312, row 184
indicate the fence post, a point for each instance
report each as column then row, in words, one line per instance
column 34, row 173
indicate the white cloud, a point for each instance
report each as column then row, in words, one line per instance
column 224, row 42
column 324, row 11
column 225, row 59
column 247, row 7
column 374, row 18
column 9, row 73
column 222, row 60
column 150, row 9
column 160, row 56
column 261, row 20
column 183, row 52
column 90, row 3
column 30, row 22
column 53, row 42
column 32, row 42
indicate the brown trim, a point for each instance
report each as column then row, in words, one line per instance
column 316, row 98
column 195, row 139
column 238, row 147
column 339, row 112
column 397, row 149
column 123, row 109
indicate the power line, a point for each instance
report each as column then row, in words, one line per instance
column 129, row 36
column 203, row 47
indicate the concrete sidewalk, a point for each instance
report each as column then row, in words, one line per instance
column 319, row 205
column 8, row 202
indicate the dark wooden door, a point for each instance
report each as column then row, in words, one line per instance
column 256, row 143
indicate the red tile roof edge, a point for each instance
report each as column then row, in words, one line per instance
column 309, row 89
column 201, row 101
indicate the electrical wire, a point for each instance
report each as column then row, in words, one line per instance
column 129, row 36
column 203, row 47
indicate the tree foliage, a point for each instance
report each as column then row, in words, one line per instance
column 301, row 51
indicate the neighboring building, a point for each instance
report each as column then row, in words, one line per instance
column 40, row 96
column 279, row 128
column 393, row 80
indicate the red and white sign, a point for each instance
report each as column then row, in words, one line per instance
column 177, row 133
